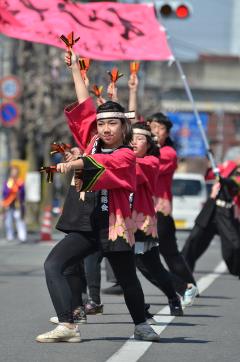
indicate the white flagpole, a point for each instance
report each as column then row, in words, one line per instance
column 195, row 111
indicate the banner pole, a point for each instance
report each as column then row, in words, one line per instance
column 195, row 111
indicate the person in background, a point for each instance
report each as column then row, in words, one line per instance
column 13, row 199
column 145, row 219
column 185, row 284
column 181, row 275
column 217, row 217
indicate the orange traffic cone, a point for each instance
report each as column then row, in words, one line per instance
column 46, row 227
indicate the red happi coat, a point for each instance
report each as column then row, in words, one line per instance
column 82, row 122
column 167, row 167
column 237, row 200
column 143, row 213
column 225, row 169
column 114, row 172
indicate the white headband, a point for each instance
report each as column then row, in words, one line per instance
column 106, row 115
column 145, row 132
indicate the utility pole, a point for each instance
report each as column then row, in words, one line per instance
column 5, row 150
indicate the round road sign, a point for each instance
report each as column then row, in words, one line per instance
column 9, row 114
column 10, row 87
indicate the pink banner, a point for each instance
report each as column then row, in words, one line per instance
column 108, row 31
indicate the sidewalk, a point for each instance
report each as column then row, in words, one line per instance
column 33, row 238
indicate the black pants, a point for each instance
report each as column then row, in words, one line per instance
column 151, row 267
column 92, row 265
column 197, row 243
column 149, row 264
column 76, row 277
column 223, row 224
column 110, row 277
column 180, row 272
column 83, row 275
column 69, row 251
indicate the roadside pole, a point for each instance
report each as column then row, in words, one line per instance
column 196, row 114
column 3, row 138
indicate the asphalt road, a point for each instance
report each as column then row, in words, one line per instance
column 209, row 330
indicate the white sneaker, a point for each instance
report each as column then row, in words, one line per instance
column 54, row 320
column 60, row 334
column 189, row 296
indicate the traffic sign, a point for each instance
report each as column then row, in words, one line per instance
column 10, row 87
column 186, row 133
column 9, row 114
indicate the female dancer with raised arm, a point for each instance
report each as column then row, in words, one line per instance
column 183, row 278
column 147, row 172
column 144, row 216
column 106, row 177
column 180, row 273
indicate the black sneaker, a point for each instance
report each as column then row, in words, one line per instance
column 115, row 289
column 93, row 308
column 79, row 315
column 175, row 307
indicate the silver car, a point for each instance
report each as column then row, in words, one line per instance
column 189, row 196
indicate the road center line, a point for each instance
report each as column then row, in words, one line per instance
column 133, row 350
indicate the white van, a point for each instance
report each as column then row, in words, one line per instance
column 189, row 196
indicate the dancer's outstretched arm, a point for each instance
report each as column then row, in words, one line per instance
column 81, row 85
column 133, row 87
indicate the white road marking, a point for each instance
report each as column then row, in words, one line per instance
column 133, row 350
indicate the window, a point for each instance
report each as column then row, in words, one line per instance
column 183, row 187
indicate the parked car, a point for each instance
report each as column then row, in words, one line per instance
column 189, row 196
column 209, row 185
